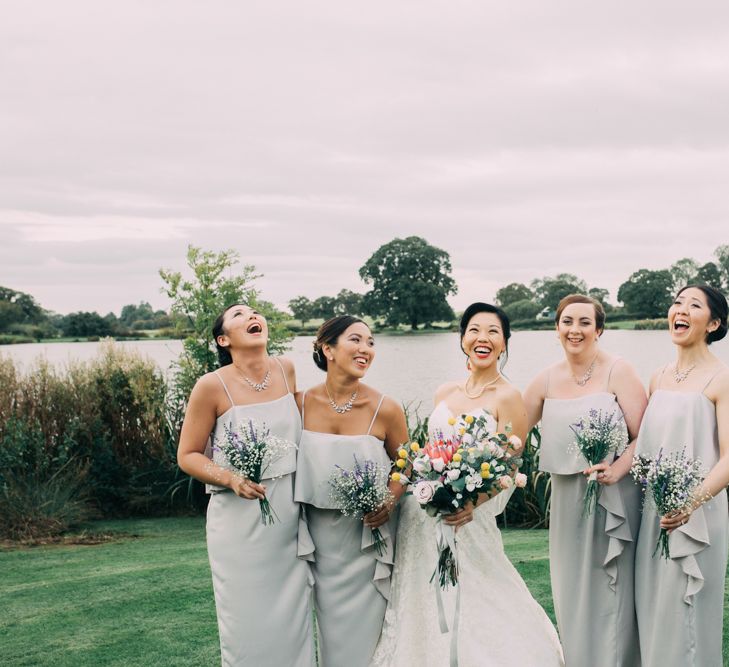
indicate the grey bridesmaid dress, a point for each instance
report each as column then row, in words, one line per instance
column 352, row 582
column 680, row 601
column 262, row 589
column 591, row 558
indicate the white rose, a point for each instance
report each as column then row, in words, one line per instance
column 515, row 441
column 520, row 480
column 421, row 465
column 473, row 482
column 438, row 464
column 423, row 492
column 505, row 482
column 453, row 475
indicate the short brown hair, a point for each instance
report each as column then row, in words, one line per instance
column 583, row 298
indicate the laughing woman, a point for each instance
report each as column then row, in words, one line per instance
column 680, row 600
column 262, row 590
column 343, row 419
column 591, row 555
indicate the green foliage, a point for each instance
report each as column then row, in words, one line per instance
column 550, row 291
column 302, row 309
column 410, row 282
column 324, row 307
column 529, row 507
column 92, row 438
column 708, row 274
column 647, row 293
column 722, row 260
column 683, row 273
column 86, row 324
column 349, row 303
column 526, row 309
column 513, row 293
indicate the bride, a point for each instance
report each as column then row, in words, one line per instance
column 499, row 622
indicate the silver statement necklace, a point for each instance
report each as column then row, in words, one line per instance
column 680, row 376
column 345, row 407
column 582, row 381
column 259, row 386
column 483, row 386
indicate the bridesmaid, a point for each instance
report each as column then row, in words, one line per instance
column 591, row 557
column 680, row 601
column 343, row 418
column 262, row 589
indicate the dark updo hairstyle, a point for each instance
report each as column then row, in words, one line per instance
column 480, row 307
column 717, row 307
column 583, row 298
column 329, row 333
column 224, row 357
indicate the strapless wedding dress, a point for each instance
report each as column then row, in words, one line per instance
column 499, row 622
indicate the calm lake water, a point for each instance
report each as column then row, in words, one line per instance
column 408, row 368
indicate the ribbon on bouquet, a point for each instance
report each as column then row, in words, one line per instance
column 445, row 536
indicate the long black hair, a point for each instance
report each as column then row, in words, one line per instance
column 480, row 307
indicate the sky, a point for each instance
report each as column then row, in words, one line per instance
column 525, row 139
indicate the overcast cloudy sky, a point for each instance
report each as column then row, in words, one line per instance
column 525, row 138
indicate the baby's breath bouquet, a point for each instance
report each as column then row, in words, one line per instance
column 248, row 452
column 596, row 436
column 670, row 482
column 360, row 490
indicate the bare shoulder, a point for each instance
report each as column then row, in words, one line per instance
column 390, row 407
column 287, row 364
column 509, row 394
column 624, row 372
column 719, row 385
column 655, row 379
column 445, row 390
column 539, row 381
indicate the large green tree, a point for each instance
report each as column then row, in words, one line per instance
column 722, row 260
column 550, row 291
column 302, row 309
column 647, row 293
column 410, row 282
column 709, row 274
column 683, row 272
column 512, row 293
column 19, row 308
column 349, row 303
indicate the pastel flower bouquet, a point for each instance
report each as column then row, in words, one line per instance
column 360, row 490
column 249, row 452
column 596, row 436
column 447, row 473
column 671, row 482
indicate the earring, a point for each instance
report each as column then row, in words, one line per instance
column 468, row 364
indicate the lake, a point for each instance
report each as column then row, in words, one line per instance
column 407, row 367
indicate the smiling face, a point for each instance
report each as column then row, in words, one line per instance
column 689, row 318
column 577, row 328
column 483, row 340
column 243, row 327
column 354, row 350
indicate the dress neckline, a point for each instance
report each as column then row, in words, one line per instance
column 684, row 393
column 250, row 405
column 344, row 435
column 579, row 398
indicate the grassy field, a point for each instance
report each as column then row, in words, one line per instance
column 146, row 598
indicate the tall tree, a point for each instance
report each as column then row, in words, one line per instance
column 512, row 293
column 348, row 303
column 683, row 272
column 722, row 260
column 25, row 311
column 550, row 291
column 647, row 293
column 599, row 294
column 324, row 306
column 709, row 274
column 410, row 282
column 302, row 309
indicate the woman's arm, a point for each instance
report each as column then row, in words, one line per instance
column 534, row 399
column 199, row 421
column 396, row 433
column 631, row 396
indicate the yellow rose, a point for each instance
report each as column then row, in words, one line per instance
column 457, row 458
column 414, row 446
column 461, row 430
column 401, row 463
column 485, row 466
column 395, row 477
column 471, row 450
column 451, row 420
column 402, row 454
column 485, row 474
column 469, row 419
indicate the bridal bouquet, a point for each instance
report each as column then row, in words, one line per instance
column 596, row 435
column 360, row 490
column 249, row 452
column 671, row 482
column 447, row 473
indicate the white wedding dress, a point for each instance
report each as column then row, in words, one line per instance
column 500, row 623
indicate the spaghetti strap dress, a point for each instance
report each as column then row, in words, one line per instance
column 352, row 581
column 680, row 600
column 591, row 558
column 262, row 589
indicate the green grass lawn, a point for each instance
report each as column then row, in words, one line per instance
column 147, row 600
